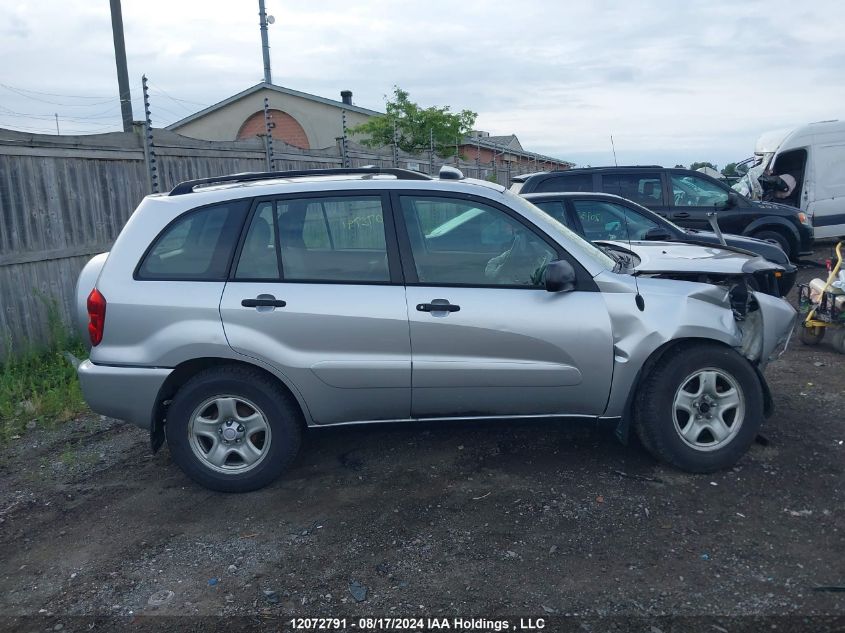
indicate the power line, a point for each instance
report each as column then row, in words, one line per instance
column 75, row 117
column 176, row 99
column 66, row 130
column 54, row 94
column 22, row 93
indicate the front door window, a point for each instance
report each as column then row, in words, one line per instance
column 470, row 243
column 692, row 191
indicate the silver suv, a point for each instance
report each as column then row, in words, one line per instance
column 234, row 312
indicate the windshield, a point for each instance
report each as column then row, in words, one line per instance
column 590, row 250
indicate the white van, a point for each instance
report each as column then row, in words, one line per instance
column 814, row 155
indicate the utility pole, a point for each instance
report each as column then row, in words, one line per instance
column 120, row 60
column 265, row 43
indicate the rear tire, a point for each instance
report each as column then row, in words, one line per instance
column 233, row 429
column 780, row 239
column 837, row 340
column 700, row 407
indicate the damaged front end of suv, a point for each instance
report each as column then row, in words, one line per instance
column 689, row 293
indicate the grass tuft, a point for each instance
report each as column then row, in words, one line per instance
column 40, row 385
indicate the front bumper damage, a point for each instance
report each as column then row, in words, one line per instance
column 755, row 324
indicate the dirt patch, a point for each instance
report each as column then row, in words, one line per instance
column 444, row 520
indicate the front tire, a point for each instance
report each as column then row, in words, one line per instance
column 233, row 429
column 700, row 408
column 780, row 239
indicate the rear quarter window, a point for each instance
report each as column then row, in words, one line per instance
column 575, row 182
column 198, row 245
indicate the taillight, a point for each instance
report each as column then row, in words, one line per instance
column 96, row 316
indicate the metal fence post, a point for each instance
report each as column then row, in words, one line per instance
column 430, row 151
column 395, row 145
column 149, row 145
column 344, row 141
column 268, row 139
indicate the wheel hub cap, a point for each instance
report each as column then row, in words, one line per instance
column 229, row 434
column 708, row 409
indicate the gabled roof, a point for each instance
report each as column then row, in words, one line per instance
column 274, row 87
column 508, row 141
column 495, row 143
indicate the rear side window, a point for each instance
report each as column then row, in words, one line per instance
column 196, row 246
column 608, row 221
column 556, row 209
column 575, row 182
column 643, row 188
column 337, row 239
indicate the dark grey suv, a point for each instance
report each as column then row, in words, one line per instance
column 685, row 197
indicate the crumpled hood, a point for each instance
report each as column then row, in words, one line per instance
column 659, row 257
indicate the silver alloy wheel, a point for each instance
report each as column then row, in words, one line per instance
column 708, row 409
column 229, row 434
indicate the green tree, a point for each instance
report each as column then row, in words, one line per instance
column 680, row 166
column 705, row 163
column 729, row 170
column 414, row 126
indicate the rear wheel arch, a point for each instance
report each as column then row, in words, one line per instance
column 183, row 372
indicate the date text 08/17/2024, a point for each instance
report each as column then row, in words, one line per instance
column 476, row 625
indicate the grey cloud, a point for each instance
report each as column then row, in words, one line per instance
column 674, row 82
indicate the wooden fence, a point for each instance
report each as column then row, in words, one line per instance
column 66, row 198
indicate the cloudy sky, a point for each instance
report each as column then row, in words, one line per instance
column 673, row 82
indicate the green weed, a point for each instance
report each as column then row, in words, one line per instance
column 39, row 384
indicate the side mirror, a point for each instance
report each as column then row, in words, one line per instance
column 730, row 203
column 559, row 276
column 657, row 235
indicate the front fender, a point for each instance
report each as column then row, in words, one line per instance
column 672, row 310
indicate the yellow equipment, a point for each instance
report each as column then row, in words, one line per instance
column 824, row 308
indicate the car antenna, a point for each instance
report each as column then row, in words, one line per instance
column 615, row 162
column 639, row 298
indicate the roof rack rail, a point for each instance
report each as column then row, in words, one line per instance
column 401, row 174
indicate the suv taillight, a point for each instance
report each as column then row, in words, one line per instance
column 96, row 316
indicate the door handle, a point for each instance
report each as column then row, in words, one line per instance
column 263, row 301
column 682, row 214
column 438, row 305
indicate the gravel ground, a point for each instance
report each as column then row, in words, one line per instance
column 444, row 520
